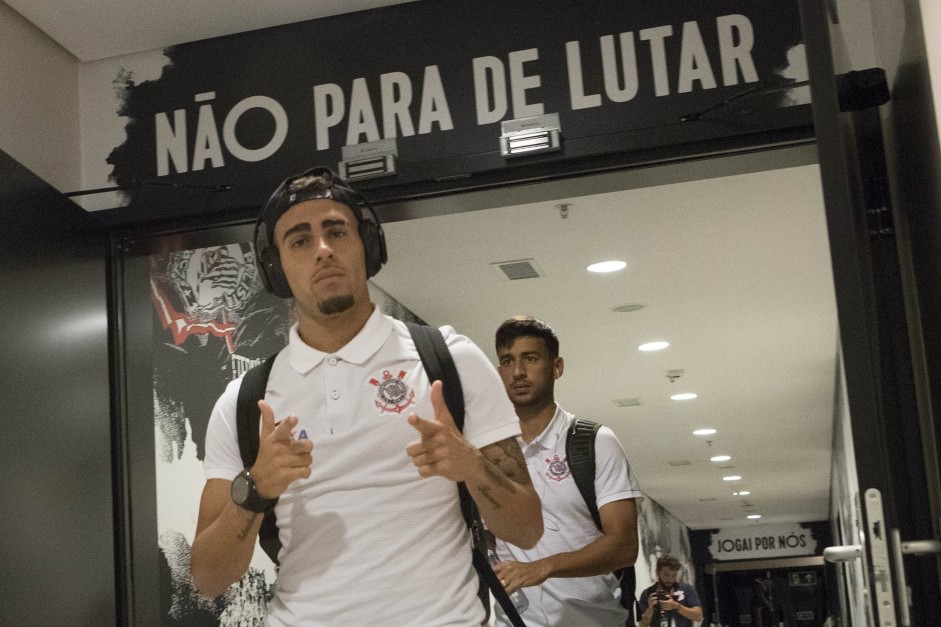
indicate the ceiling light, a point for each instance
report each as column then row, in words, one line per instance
column 753, row 516
column 731, row 478
column 707, row 431
column 649, row 347
column 685, row 396
column 607, row 266
column 741, row 493
column 720, row 458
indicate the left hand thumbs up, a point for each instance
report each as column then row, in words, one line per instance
column 442, row 450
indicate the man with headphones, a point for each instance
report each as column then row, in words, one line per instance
column 568, row 576
column 358, row 452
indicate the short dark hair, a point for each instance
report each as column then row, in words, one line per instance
column 527, row 326
column 669, row 562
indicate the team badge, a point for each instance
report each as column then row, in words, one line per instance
column 392, row 395
column 558, row 469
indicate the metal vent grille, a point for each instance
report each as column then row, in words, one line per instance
column 627, row 402
column 519, row 269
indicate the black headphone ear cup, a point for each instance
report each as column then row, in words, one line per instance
column 272, row 274
column 374, row 244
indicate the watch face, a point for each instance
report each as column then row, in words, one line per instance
column 240, row 489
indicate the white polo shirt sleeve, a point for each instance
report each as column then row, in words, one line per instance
column 489, row 416
column 614, row 480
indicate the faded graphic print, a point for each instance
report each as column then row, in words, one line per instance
column 660, row 532
column 213, row 321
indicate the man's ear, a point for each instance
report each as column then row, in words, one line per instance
column 558, row 367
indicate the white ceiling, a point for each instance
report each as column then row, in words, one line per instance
column 98, row 29
column 733, row 271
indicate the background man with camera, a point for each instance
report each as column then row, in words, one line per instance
column 669, row 602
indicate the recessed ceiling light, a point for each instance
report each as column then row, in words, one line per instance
column 741, row 493
column 707, row 431
column 649, row 347
column 753, row 516
column 720, row 458
column 731, row 478
column 607, row 266
column 685, row 396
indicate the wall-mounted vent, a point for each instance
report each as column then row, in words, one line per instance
column 518, row 269
column 627, row 402
column 681, row 462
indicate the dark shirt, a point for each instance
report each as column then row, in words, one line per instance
column 682, row 593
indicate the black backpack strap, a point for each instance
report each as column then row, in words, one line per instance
column 439, row 366
column 247, row 417
column 486, row 575
column 580, row 453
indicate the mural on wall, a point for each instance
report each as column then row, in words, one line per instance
column 661, row 533
column 213, row 321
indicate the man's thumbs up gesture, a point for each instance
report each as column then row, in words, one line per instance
column 281, row 458
column 442, row 450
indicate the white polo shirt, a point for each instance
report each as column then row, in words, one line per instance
column 582, row 601
column 366, row 540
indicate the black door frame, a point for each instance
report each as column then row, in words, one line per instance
column 875, row 330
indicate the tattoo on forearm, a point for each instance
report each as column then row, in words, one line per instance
column 497, row 476
column 508, row 458
column 485, row 492
column 244, row 532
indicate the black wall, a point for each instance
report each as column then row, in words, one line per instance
column 56, row 522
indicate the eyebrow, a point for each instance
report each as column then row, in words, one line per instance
column 304, row 227
column 523, row 354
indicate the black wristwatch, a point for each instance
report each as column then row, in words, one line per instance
column 245, row 494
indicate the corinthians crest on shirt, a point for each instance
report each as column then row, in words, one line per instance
column 557, row 469
column 393, row 395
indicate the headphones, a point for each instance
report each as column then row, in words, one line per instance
column 318, row 182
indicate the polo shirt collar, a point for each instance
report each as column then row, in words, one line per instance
column 364, row 345
column 553, row 431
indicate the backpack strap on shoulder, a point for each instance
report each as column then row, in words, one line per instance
column 439, row 366
column 580, row 453
column 247, row 417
